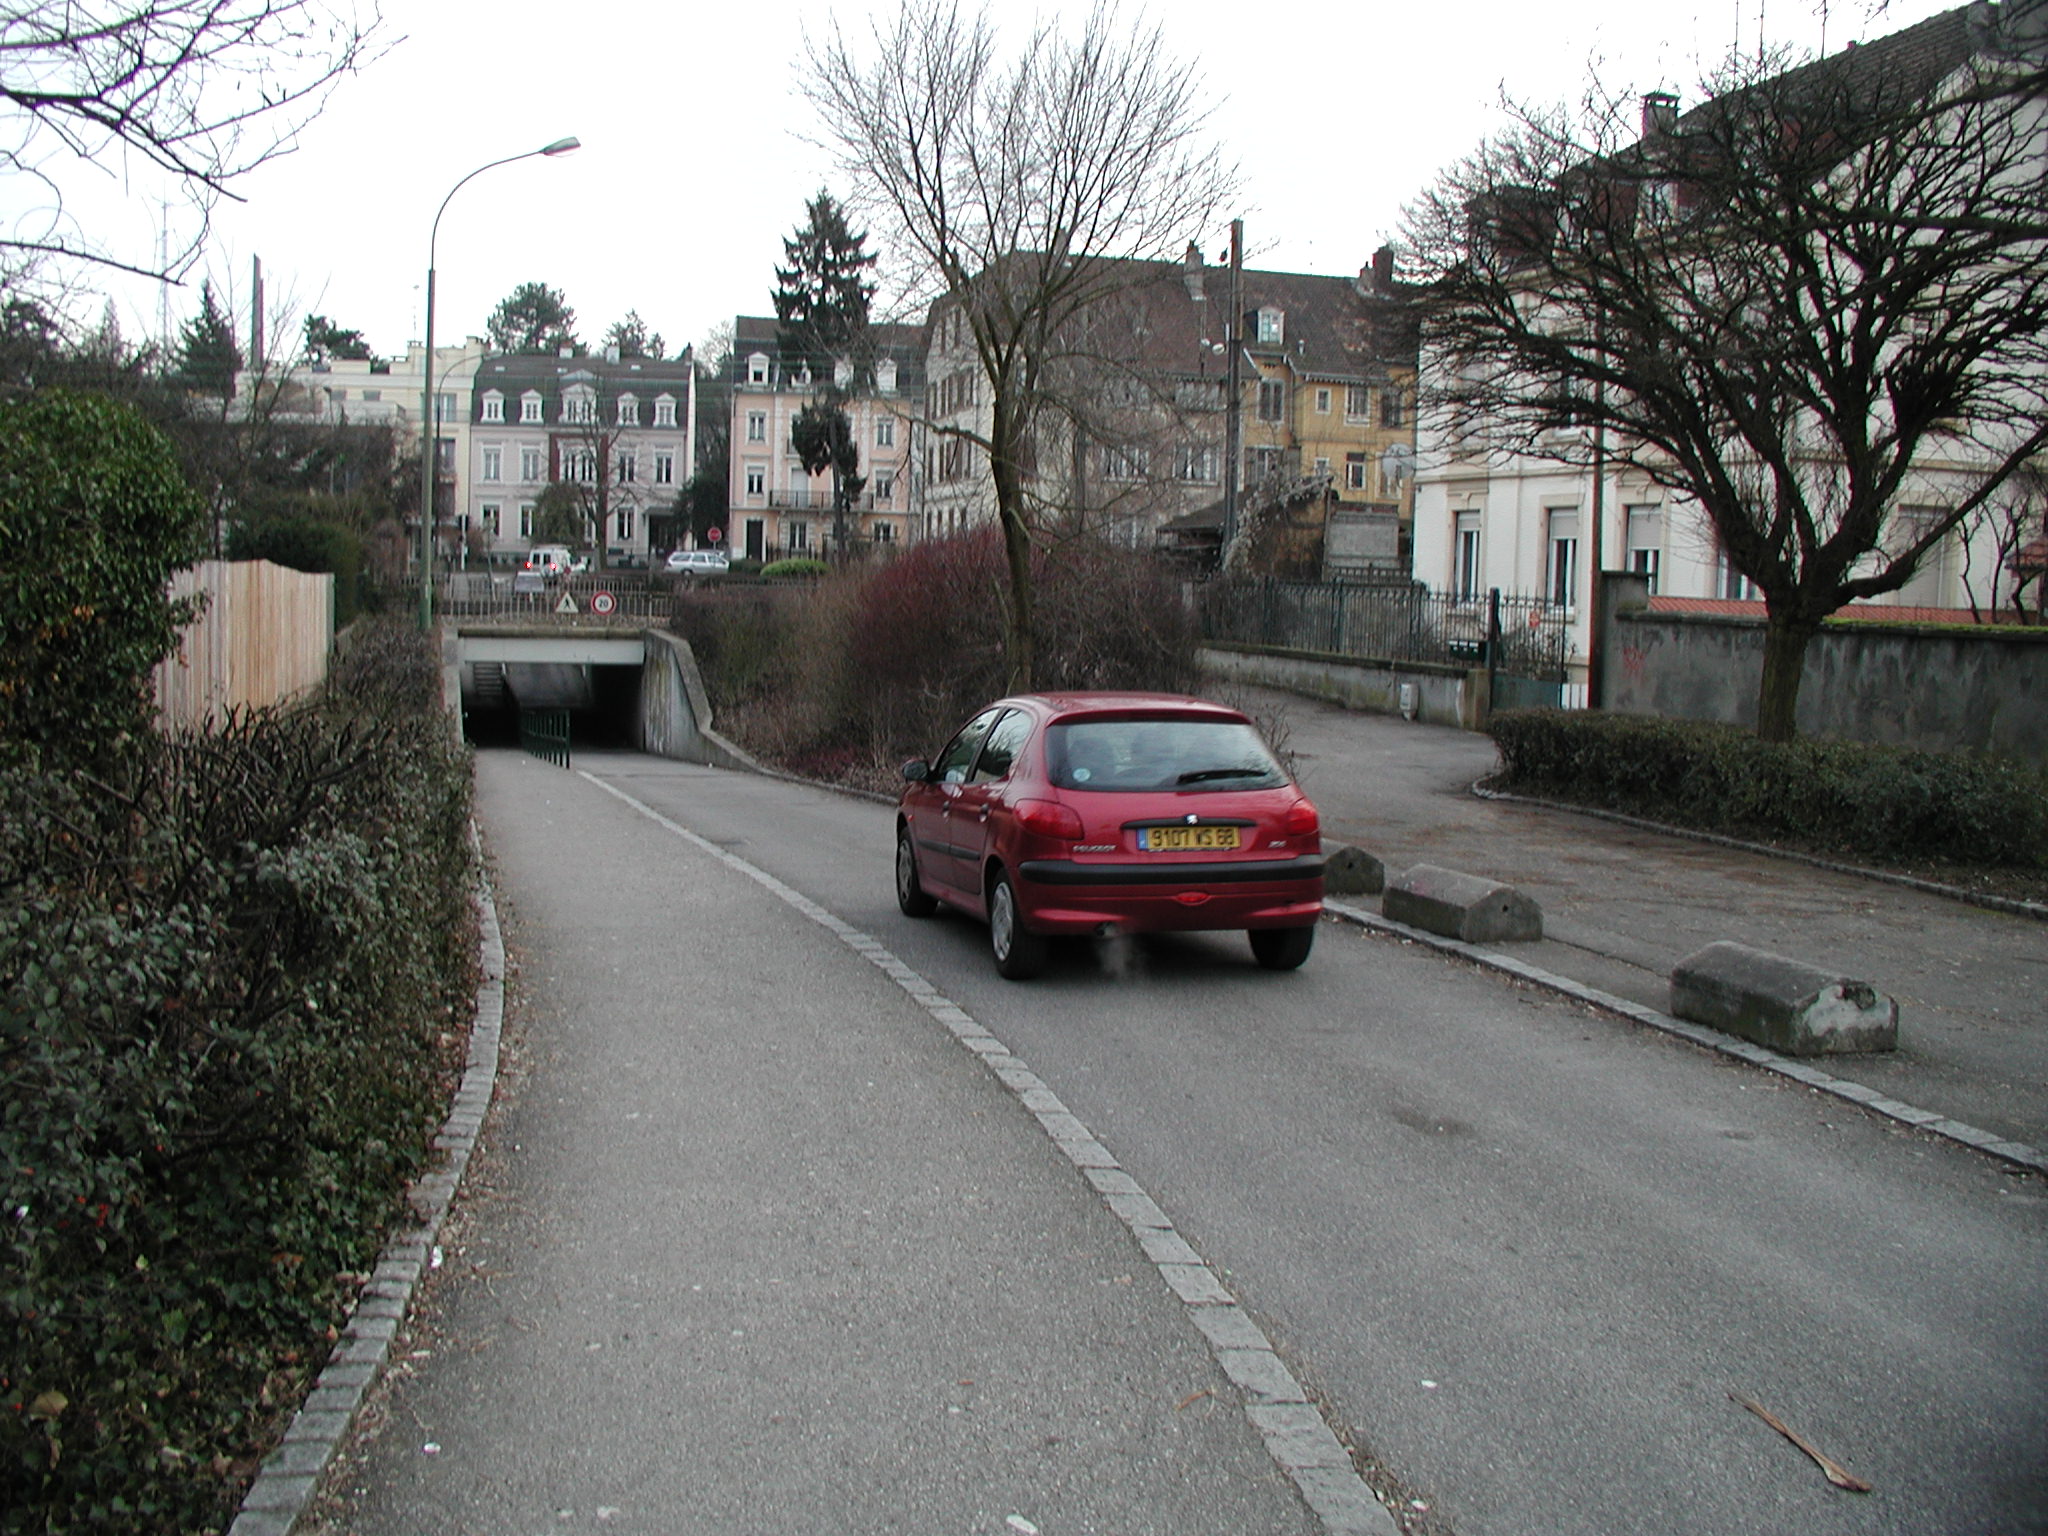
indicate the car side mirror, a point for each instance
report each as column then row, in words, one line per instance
column 917, row 770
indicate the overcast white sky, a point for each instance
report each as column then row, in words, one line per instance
column 693, row 169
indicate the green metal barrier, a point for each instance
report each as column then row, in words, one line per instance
column 545, row 733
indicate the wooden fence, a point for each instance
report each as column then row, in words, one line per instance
column 263, row 638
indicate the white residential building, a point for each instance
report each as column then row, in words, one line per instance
column 1532, row 526
column 624, row 431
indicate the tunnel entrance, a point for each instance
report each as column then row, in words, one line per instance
column 602, row 702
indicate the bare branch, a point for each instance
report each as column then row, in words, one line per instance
column 202, row 92
column 1819, row 295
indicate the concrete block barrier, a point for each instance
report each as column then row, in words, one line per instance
column 1787, row 1005
column 1470, row 908
column 1349, row 871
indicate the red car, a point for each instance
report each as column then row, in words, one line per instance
column 1097, row 813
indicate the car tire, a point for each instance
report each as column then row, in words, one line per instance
column 910, row 894
column 1282, row 949
column 1020, row 953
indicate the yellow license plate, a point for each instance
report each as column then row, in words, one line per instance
column 1187, row 839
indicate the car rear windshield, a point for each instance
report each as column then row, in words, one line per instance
column 1156, row 754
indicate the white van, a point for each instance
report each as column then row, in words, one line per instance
column 551, row 560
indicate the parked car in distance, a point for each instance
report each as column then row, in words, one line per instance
column 698, row 562
column 1097, row 813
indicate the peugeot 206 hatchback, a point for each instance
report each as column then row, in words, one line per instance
column 1098, row 813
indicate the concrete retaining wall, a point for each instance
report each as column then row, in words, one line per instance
column 1894, row 685
column 1443, row 695
column 675, row 710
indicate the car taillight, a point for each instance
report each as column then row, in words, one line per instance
column 1302, row 819
column 1048, row 818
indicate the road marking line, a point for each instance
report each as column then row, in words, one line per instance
column 1316, row 1463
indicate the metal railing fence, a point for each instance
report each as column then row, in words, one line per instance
column 1382, row 620
column 545, row 734
column 623, row 597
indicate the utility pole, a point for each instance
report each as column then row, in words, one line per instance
column 1596, row 672
column 1233, row 405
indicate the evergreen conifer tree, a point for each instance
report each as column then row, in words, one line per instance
column 208, row 358
column 822, row 296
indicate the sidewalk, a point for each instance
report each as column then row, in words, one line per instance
column 1623, row 905
column 714, row 1274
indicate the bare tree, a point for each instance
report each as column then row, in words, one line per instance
column 202, row 92
column 2014, row 524
column 1018, row 193
column 1816, row 299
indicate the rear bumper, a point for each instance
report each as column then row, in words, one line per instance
column 1069, row 872
column 1058, row 896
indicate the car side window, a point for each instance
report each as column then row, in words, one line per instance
column 1004, row 743
column 953, row 763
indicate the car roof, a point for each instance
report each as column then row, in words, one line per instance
column 1073, row 703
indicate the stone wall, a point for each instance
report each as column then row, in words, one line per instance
column 1439, row 696
column 1895, row 685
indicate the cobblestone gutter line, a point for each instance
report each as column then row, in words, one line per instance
column 2016, row 1152
column 1300, row 1442
column 284, row 1486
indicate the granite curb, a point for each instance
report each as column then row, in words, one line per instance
column 285, row 1484
column 2017, row 1153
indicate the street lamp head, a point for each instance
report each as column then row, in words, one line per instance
column 563, row 146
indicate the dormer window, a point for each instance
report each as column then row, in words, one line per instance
column 529, row 406
column 1272, row 330
column 885, row 376
column 494, row 406
column 629, row 411
column 757, row 368
column 664, row 410
column 579, row 406
column 842, row 374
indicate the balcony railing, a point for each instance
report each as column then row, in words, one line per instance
column 821, row 501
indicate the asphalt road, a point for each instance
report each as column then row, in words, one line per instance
column 1521, row 1251
column 1623, row 905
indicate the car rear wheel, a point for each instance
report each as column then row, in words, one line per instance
column 1020, row 953
column 910, row 895
column 1282, row 949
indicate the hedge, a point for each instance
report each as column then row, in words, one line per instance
column 1875, row 803
column 232, row 974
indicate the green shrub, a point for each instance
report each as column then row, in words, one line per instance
column 307, row 544
column 229, row 964
column 95, row 515
column 795, row 567
column 1875, row 803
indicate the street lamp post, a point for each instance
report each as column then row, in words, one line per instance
column 429, row 439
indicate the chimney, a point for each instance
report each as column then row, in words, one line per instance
column 1383, row 269
column 1192, row 272
column 1660, row 113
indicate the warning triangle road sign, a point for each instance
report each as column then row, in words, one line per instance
column 566, row 605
